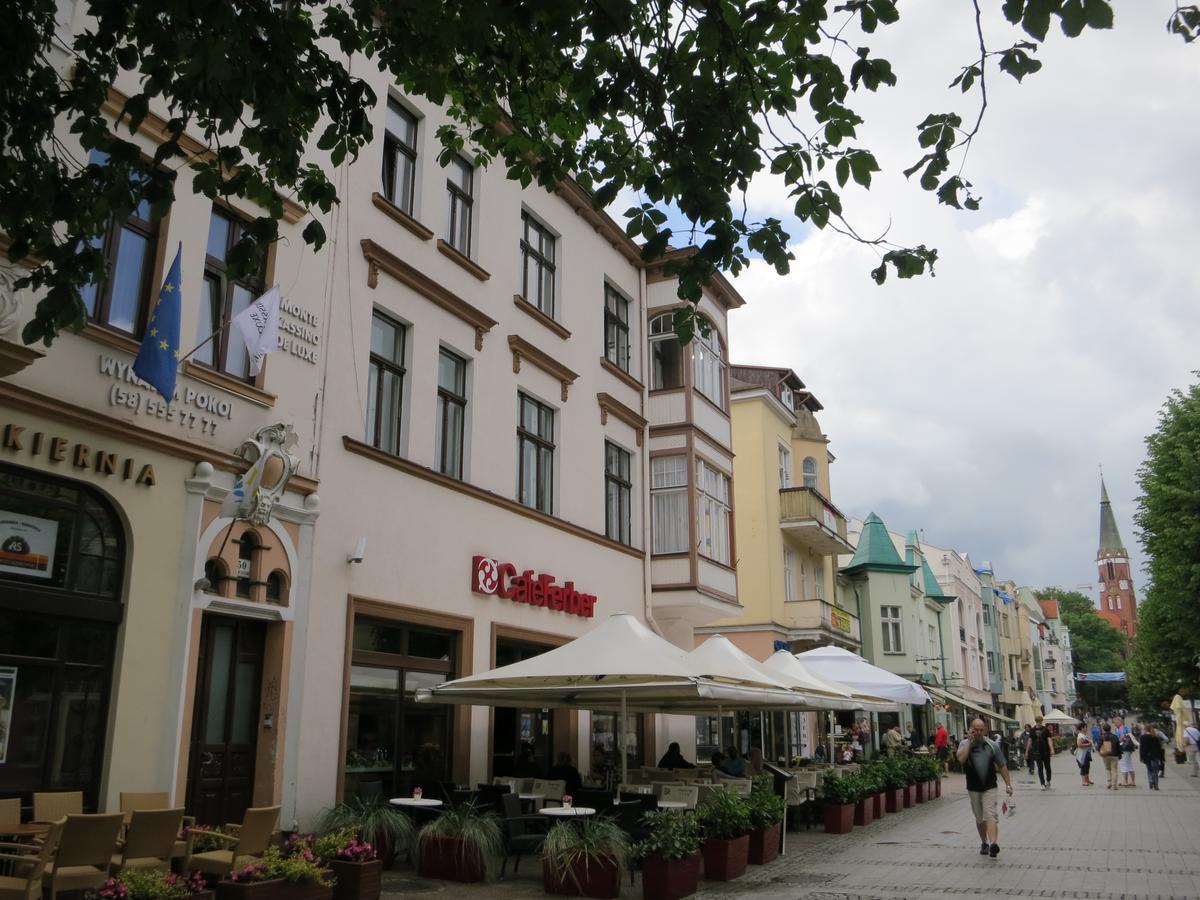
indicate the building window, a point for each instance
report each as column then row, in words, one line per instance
column 535, row 454
column 616, row 328
column 460, row 188
column 991, row 664
column 785, row 466
column 400, row 156
column 451, row 413
column 708, row 366
column 810, row 473
column 786, row 398
column 669, row 504
column 1118, row 601
column 987, row 615
column 130, row 249
column 934, row 649
column 1124, row 585
column 666, row 356
column 890, row 617
column 789, row 574
column 712, row 512
column 247, row 545
column 1004, row 624
column 819, row 581
column 224, row 298
column 537, row 264
column 618, row 489
column 1111, row 571
column 385, row 384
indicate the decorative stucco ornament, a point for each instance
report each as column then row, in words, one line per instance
column 268, row 452
column 10, row 300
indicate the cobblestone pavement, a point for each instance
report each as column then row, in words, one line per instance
column 1068, row 842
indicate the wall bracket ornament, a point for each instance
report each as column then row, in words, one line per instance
column 268, row 451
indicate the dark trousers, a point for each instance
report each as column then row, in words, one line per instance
column 1152, row 771
column 1043, row 770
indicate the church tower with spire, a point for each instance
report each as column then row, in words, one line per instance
column 1118, row 605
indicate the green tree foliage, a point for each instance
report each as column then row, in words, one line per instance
column 1095, row 645
column 680, row 103
column 1168, row 642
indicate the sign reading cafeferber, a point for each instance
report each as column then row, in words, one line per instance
column 502, row 579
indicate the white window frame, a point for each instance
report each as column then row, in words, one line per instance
column 789, row 574
column 669, row 504
column 713, row 513
column 810, row 473
column 785, row 466
column 819, row 581
column 708, row 366
column 891, row 620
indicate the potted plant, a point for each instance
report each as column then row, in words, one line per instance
column 355, row 864
column 725, row 820
column 874, row 785
column 670, row 855
column 841, row 796
column 464, row 843
column 376, row 821
column 910, row 781
column 864, row 807
column 585, row 858
column 767, row 811
column 151, row 884
column 278, row 877
column 893, row 784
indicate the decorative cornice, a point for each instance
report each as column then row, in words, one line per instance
column 399, row 216
column 15, row 357
column 381, row 260
column 540, row 317
column 155, row 128
column 581, row 201
column 522, row 349
column 461, row 259
column 411, row 468
column 610, row 405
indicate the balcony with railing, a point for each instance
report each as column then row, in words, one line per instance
column 832, row 622
column 812, row 522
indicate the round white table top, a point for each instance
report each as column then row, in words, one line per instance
column 531, row 796
column 414, row 801
column 567, row 811
column 672, row 804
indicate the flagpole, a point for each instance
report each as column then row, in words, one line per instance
column 202, row 343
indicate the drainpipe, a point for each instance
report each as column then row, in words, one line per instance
column 645, row 491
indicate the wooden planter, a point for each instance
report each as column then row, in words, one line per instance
column 764, row 844
column 921, row 789
column 599, row 876
column 910, row 796
column 839, row 818
column 725, row 860
column 877, row 805
column 205, row 895
column 937, row 788
column 894, row 799
column 670, row 879
column 449, row 859
column 357, row 880
column 864, row 812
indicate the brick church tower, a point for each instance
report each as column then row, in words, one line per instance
column 1118, row 605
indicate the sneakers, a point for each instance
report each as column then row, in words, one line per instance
column 994, row 851
column 983, row 849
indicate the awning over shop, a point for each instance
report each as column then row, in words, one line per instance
column 967, row 704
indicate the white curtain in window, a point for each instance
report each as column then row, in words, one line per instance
column 709, row 369
column 668, row 504
column 713, row 513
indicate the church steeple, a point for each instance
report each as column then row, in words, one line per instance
column 1110, row 539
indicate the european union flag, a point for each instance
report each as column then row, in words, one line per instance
column 158, row 359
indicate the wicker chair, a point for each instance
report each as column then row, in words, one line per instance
column 50, row 807
column 28, row 862
column 551, row 790
column 85, row 850
column 149, row 841
column 10, row 812
column 250, row 842
column 155, row 800
column 685, row 793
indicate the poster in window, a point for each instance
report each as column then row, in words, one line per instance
column 8, row 696
column 27, row 545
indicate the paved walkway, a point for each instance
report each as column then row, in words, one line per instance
column 1068, row 842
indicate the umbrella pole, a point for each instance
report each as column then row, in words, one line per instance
column 621, row 745
column 720, row 726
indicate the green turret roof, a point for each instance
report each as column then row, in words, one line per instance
column 1110, row 538
column 875, row 551
column 933, row 590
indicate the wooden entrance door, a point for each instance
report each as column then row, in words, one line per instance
column 225, row 721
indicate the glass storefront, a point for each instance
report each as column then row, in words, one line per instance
column 522, row 739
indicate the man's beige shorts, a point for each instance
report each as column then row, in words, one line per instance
column 983, row 804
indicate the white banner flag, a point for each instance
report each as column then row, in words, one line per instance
column 259, row 325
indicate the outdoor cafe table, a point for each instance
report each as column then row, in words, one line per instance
column 422, row 803
column 567, row 812
column 28, row 829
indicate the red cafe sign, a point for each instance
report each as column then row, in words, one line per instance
column 502, row 579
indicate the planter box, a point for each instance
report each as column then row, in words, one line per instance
column 839, row 818
column 205, row 895
column 357, row 880
column 725, row 860
column 910, row 796
column 894, row 799
column 670, row 879
column 764, row 844
column 275, row 889
column 877, row 805
column 864, row 811
column 598, row 877
column 448, row 859
column 937, row 788
column 921, row 788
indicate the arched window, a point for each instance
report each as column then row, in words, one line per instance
column 709, row 365
column 247, row 544
column 277, row 587
column 666, row 356
column 216, row 573
column 810, row 473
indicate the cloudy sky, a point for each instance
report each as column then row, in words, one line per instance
column 978, row 405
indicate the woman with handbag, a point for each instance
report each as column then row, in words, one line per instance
column 1083, row 757
column 1129, row 746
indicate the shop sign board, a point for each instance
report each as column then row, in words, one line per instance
column 27, row 544
column 503, row 579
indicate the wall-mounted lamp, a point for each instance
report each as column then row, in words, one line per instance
column 360, row 550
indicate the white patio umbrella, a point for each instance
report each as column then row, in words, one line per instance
column 801, row 676
column 853, row 671
column 1058, row 717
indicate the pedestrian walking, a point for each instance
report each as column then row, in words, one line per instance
column 1191, row 736
column 1129, row 746
column 941, row 744
column 1110, row 752
column 1096, row 734
column 982, row 760
column 1027, row 747
column 1083, row 757
column 1151, row 754
column 1040, row 751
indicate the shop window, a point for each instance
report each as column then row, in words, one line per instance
column 666, row 354
column 606, row 758
column 430, row 644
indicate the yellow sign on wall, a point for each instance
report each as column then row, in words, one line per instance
column 839, row 619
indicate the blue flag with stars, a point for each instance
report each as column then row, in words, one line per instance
column 158, row 359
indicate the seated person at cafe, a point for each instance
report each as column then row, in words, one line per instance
column 733, row 765
column 755, row 764
column 564, row 770
column 673, row 759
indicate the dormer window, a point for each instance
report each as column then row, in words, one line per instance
column 785, row 397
